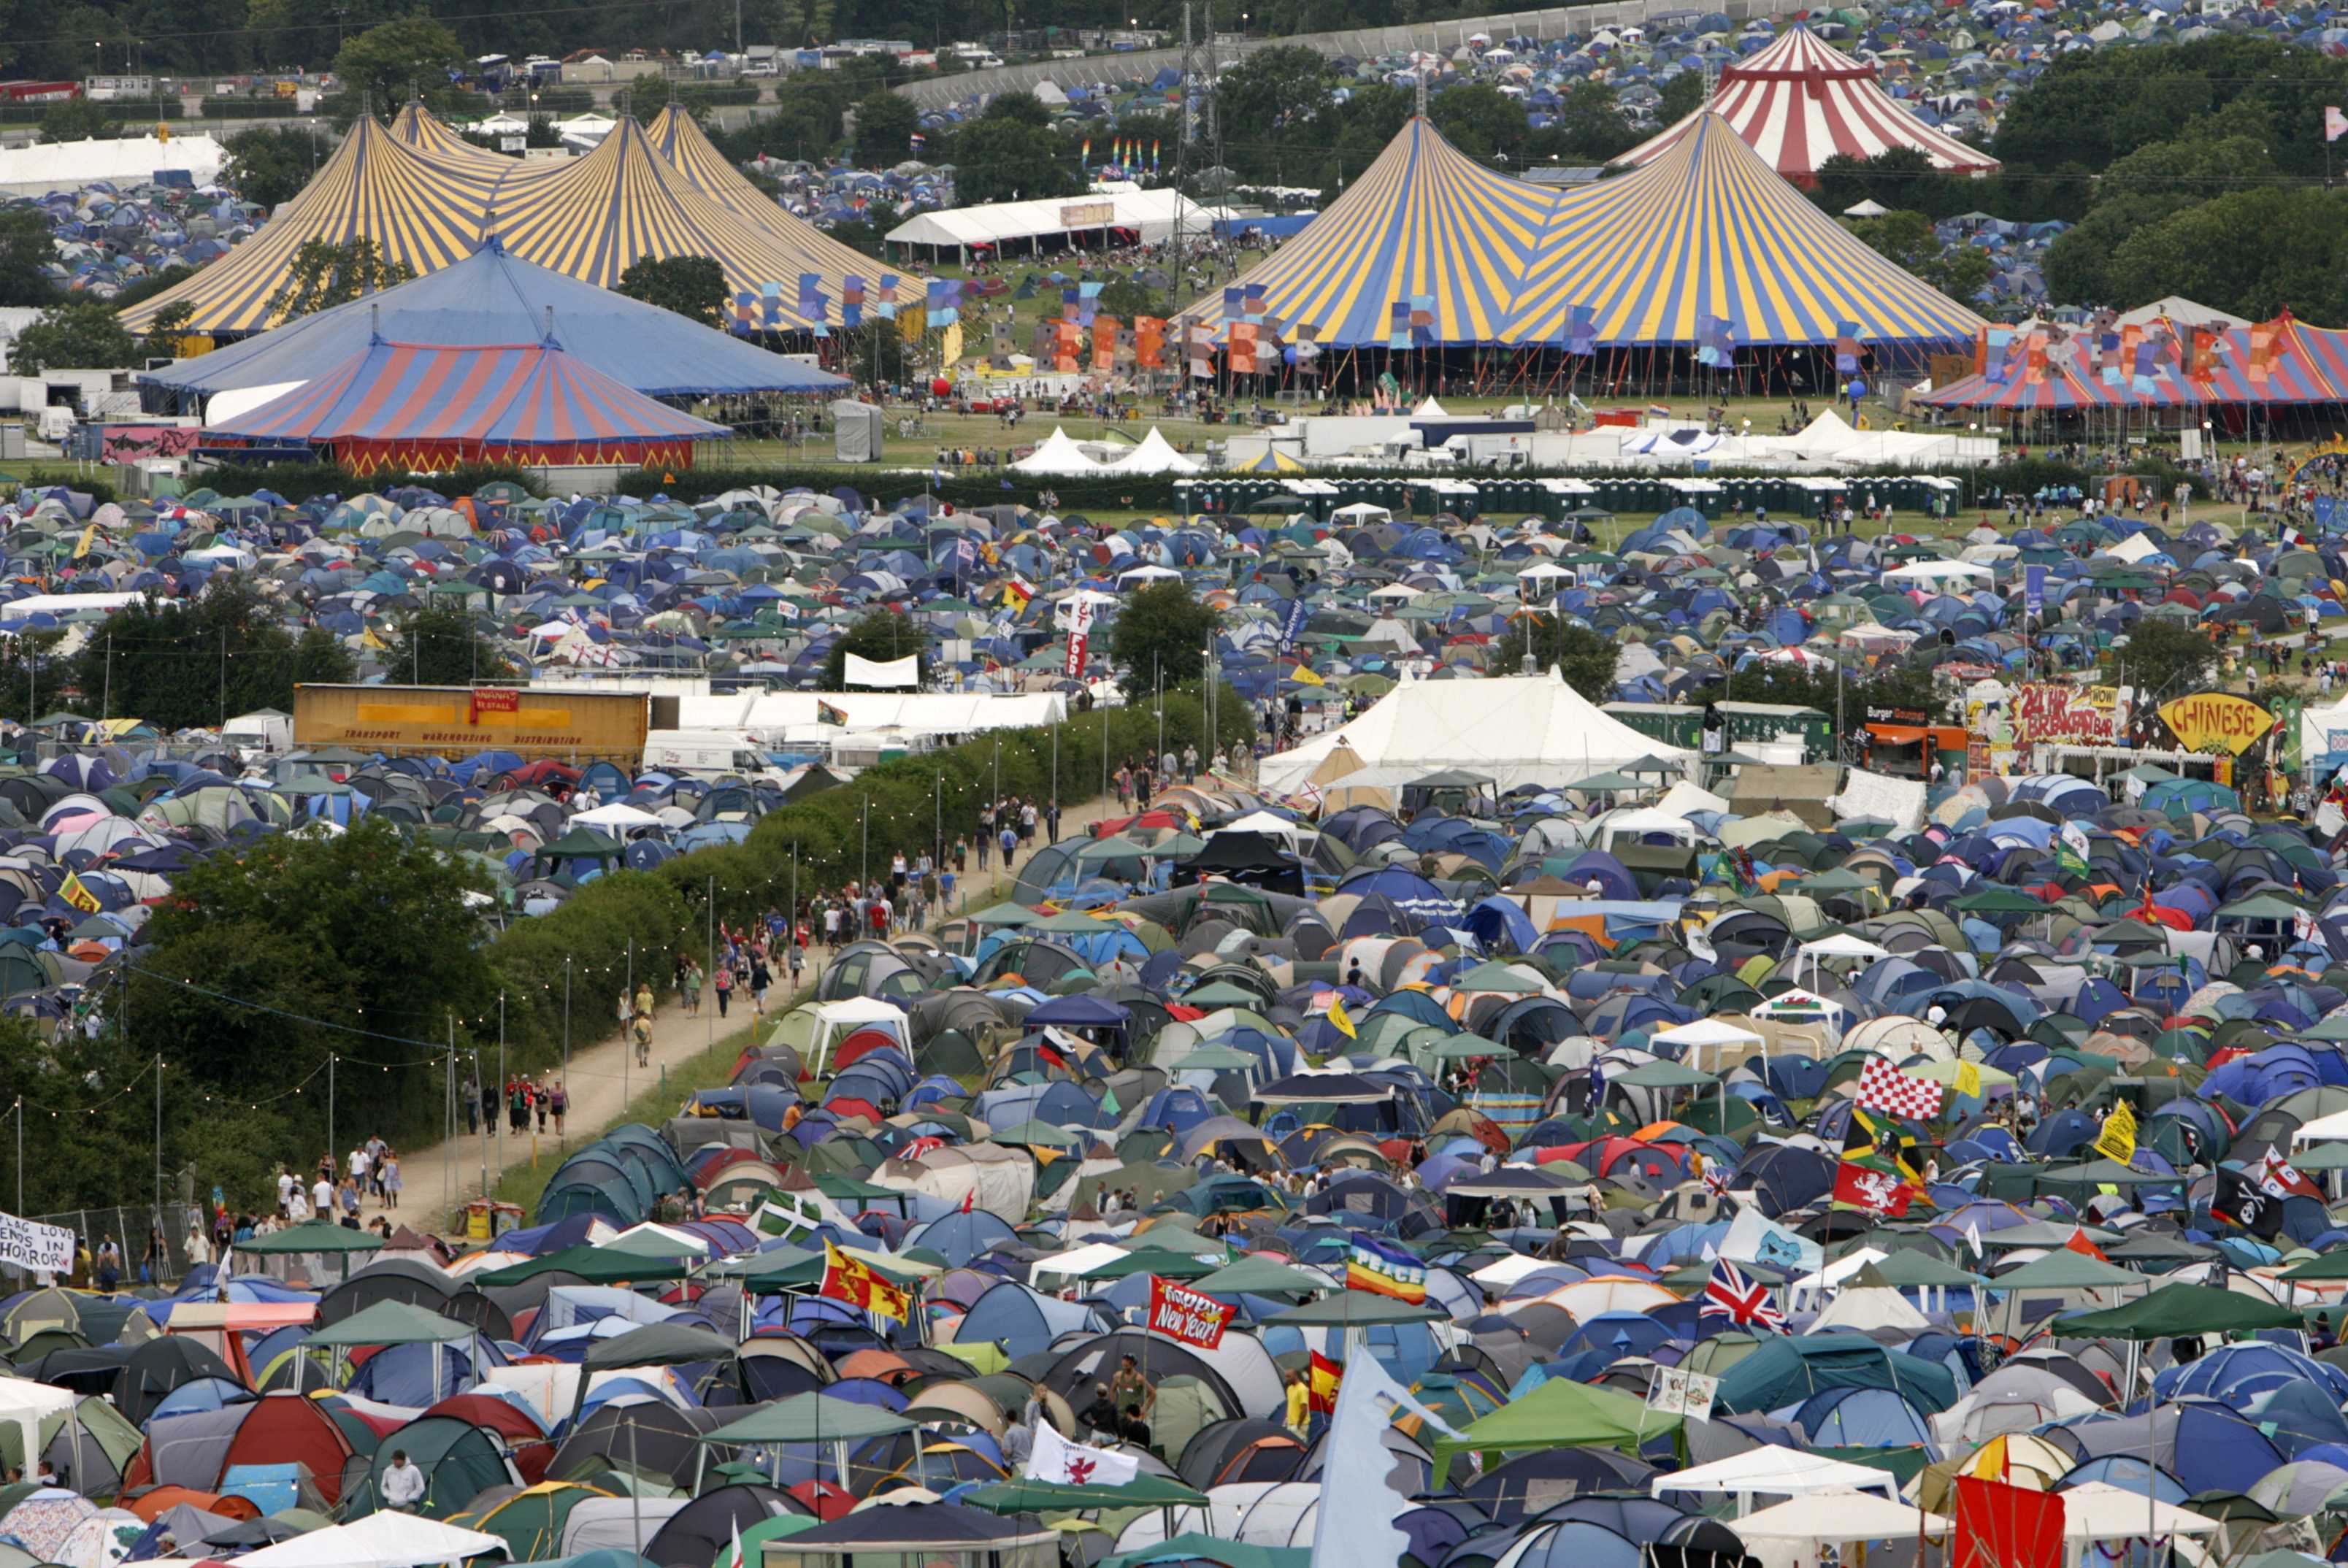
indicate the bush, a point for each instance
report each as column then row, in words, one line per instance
column 252, row 108
column 299, row 482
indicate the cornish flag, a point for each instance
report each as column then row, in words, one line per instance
column 1743, row 1302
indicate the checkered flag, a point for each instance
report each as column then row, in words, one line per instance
column 1883, row 1087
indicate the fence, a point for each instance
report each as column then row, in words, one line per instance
column 127, row 1226
column 1360, row 43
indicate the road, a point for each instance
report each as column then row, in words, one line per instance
column 603, row 1078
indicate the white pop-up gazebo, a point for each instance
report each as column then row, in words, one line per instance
column 1771, row 1470
column 1796, row 1534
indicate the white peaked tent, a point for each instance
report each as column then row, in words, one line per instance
column 1517, row 730
column 1796, row 1534
column 1057, row 455
column 1154, row 454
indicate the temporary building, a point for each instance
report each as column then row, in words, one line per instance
column 73, row 166
column 433, row 405
column 1801, row 101
column 1527, row 729
column 494, row 297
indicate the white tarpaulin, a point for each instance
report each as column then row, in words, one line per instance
column 35, row 1247
column 1899, row 801
column 896, row 672
column 385, row 1539
column 70, row 166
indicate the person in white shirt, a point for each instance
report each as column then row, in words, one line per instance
column 360, row 1167
column 403, row 1484
column 286, row 1186
column 322, row 1194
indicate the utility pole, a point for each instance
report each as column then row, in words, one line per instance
column 1188, row 117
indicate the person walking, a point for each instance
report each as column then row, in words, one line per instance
column 644, row 1002
column 761, row 978
column 693, row 983
column 392, row 1184
column 725, row 986
column 562, row 1099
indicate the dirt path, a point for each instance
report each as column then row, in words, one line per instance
column 604, row 1078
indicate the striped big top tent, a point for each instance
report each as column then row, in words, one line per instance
column 1800, row 101
column 420, row 210
column 1708, row 247
column 1424, row 228
column 687, row 149
column 403, row 406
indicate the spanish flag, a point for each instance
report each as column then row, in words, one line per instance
column 846, row 1278
column 80, row 897
column 1320, row 1379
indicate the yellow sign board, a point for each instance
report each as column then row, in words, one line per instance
column 2214, row 721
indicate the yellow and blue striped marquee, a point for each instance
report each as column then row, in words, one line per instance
column 1709, row 242
column 1706, row 244
column 1424, row 222
column 688, row 149
column 418, row 208
column 428, row 205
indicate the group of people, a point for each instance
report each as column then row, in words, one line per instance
column 336, row 1191
column 523, row 1098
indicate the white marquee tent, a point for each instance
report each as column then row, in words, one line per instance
column 121, row 162
column 998, row 225
column 1517, row 729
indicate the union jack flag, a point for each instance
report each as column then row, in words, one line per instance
column 1743, row 1302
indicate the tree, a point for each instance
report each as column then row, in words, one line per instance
column 270, row 164
column 185, row 663
column 882, row 636
column 1002, row 158
column 300, row 926
column 439, row 646
column 78, row 119
column 383, row 67
column 885, row 124
column 692, row 286
column 1481, row 121
column 1020, row 108
column 1262, row 96
column 169, row 322
column 2163, row 659
column 1585, row 658
column 1682, row 96
column 79, row 334
column 1161, row 639
column 26, row 245
column 323, row 275
column 1589, row 125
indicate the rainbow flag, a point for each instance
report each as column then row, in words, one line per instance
column 1383, row 1268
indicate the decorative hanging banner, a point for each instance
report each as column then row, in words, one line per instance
column 1190, row 1315
column 32, row 1245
